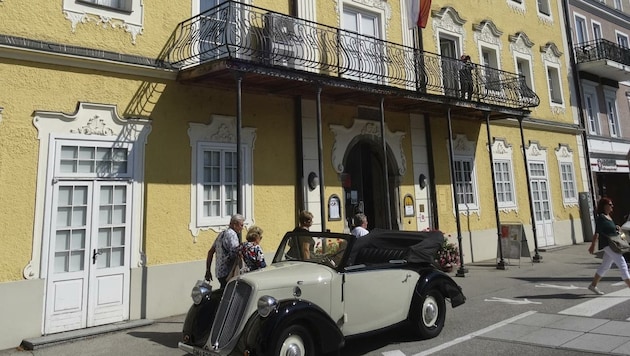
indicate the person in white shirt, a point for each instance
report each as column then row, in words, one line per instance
column 360, row 225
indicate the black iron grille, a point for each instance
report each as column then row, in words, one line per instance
column 230, row 313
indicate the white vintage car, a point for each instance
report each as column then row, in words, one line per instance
column 320, row 289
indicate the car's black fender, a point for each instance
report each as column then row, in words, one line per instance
column 199, row 319
column 432, row 278
column 323, row 329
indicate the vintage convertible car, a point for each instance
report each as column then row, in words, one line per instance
column 309, row 300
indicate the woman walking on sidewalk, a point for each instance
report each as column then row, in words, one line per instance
column 604, row 227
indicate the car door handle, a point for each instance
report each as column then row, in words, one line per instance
column 96, row 253
column 406, row 278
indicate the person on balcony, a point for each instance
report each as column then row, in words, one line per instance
column 466, row 77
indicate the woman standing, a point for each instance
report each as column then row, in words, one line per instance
column 605, row 227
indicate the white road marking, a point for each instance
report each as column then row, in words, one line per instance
column 474, row 334
column 622, row 283
column 599, row 304
column 543, row 285
column 511, row 301
column 393, row 353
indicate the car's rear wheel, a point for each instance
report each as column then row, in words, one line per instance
column 428, row 314
column 295, row 340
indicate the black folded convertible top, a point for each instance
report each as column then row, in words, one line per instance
column 418, row 246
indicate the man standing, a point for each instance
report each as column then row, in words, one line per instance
column 226, row 248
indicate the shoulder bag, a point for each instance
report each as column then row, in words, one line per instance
column 618, row 243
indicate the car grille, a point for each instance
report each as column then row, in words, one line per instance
column 230, row 313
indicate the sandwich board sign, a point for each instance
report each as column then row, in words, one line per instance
column 513, row 242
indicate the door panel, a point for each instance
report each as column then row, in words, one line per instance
column 542, row 205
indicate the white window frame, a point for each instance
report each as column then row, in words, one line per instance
column 502, row 155
column 591, row 112
column 464, row 152
column 527, row 72
column 581, row 29
column 123, row 5
column 82, row 12
column 612, row 113
column 622, row 39
column 220, row 134
column 554, row 84
column 518, row 5
column 97, row 173
column 566, row 171
column 544, row 9
column 489, row 55
column 597, row 30
column 459, row 162
column 617, row 4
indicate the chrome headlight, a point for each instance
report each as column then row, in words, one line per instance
column 200, row 290
column 266, row 304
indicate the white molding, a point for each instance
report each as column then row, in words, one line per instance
column 565, row 155
column 81, row 13
column 372, row 131
column 52, row 126
column 464, row 149
column 503, row 151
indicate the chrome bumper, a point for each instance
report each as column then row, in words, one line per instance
column 195, row 350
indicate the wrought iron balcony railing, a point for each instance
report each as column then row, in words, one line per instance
column 247, row 33
column 601, row 49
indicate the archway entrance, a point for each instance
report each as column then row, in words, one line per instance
column 364, row 185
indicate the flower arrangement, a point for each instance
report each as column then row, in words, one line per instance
column 448, row 256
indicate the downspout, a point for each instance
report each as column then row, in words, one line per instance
column 320, row 157
column 579, row 98
column 239, row 153
column 435, row 222
column 461, row 271
column 501, row 263
column 385, row 170
column 300, row 197
column 536, row 257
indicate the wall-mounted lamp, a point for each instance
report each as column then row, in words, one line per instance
column 422, row 181
column 313, row 180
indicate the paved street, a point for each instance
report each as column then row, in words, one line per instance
column 529, row 309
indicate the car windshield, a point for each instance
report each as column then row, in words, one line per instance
column 328, row 249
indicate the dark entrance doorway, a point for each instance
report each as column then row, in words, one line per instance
column 364, row 185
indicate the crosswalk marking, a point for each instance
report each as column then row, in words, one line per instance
column 599, row 304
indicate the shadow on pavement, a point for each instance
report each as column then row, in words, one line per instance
column 166, row 339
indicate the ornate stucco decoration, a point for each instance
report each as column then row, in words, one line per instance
column 94, row 126
column 550, row 52
column 535, row 150
column 447, row 19
column 131, row 22
column 486, row 31
column 563, row 151
column 220, row 129
column 519, row 42
column 344, row 137
column 463, row 146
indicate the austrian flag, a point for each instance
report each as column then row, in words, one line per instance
column 418, row 11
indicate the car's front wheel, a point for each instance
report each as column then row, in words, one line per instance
column 428, row 314
column 295, row 340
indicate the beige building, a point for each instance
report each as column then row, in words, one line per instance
column 131, row 130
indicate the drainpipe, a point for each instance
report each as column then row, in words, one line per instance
column 536, row 257
column 239, row 124
column 388, row 209
column 501, row 263
column 461, row 271
column 579, row 98
column 320, row 157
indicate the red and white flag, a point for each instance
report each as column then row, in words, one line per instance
column 418, row 11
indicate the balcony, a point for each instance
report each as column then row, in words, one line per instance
column 603, row 58
column 284, row 55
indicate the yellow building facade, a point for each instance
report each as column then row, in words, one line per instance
column 120, row 121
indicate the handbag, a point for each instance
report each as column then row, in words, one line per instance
column 618, row 243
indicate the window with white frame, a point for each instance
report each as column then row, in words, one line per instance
column 597, row 31
column 503, row 174
column 543, row 7
column 215, row 162
column 121, row 5
column 611, row 112
column 464, row 182
column 524, row 69
column 622, row 39
column 617, row 5
column 518, row 5
column 100, row 159
column 490, row 69
column 361, row 44
column 555, row 90
column 581, row 34
column 591, row 109
column 567, row 175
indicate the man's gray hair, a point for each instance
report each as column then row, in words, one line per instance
column 236, row 218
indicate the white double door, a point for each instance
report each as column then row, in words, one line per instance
column 542, row 204
column 89, row 257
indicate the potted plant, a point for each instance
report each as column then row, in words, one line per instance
column 448, row 256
